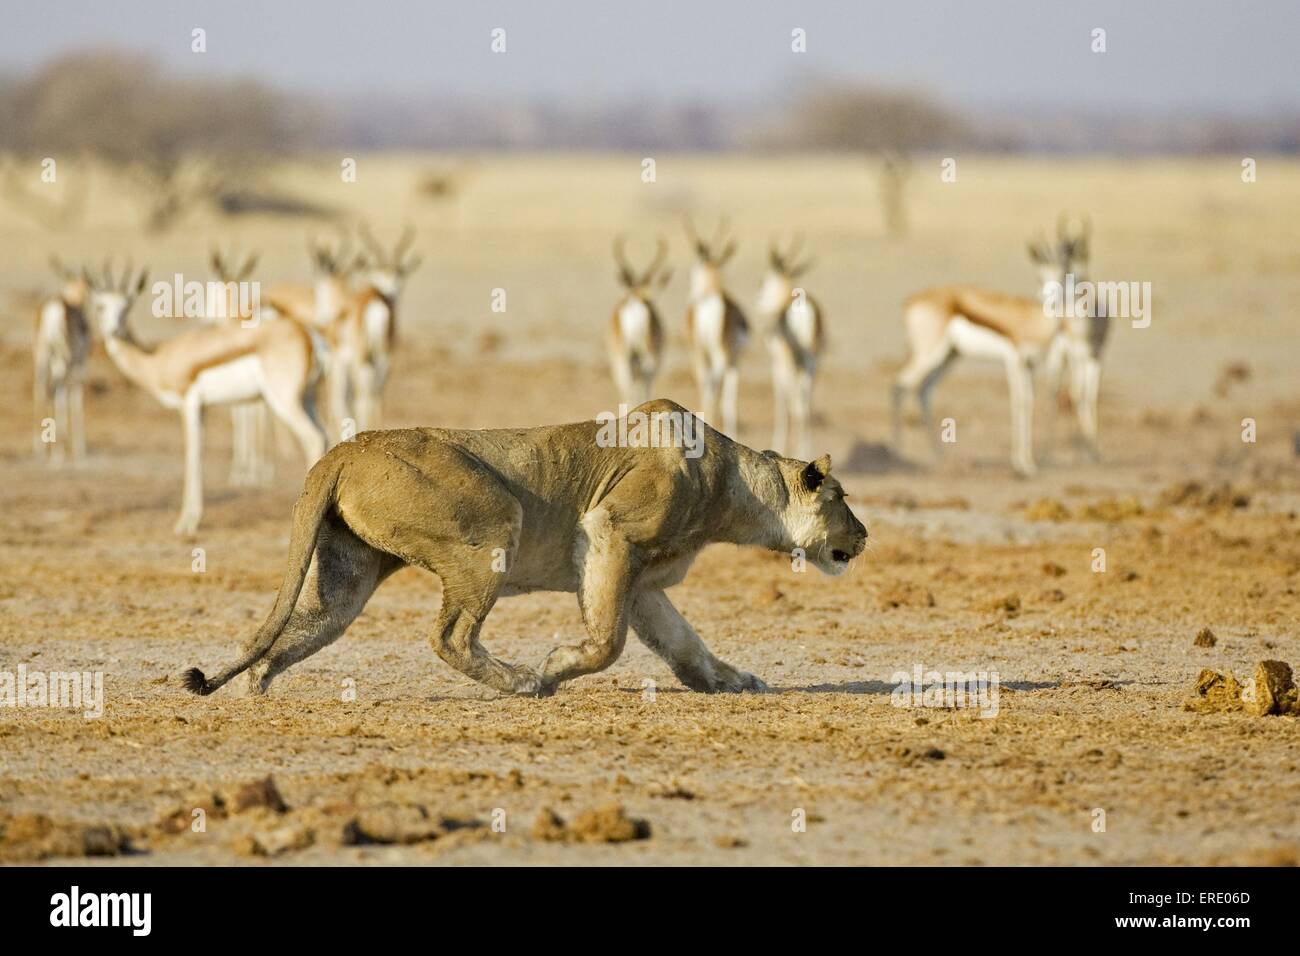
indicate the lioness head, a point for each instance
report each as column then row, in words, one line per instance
column 817, row 518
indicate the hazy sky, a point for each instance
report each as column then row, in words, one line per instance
column 1164, row 54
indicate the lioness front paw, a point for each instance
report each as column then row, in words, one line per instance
column 731, row 681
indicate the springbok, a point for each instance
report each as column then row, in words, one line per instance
column 365, row 333
column 948, row 321
column 795, row 339
column 250, row 428
column 636, row 336
column 267, row 358
column 1076, row 351
column 60, row 349
column 716, row 327
column 321, row 302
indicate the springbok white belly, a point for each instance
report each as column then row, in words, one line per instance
column 710, row 314
column 53, row 331
column 232, row 382
column 634, row 326
column 802, row 322
column 978, row 341
column 376, row 320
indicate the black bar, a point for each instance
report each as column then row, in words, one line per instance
column 335, row 905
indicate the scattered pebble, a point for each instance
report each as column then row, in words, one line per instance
column 607, row 824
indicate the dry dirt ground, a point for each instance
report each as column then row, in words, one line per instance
column 380, row 753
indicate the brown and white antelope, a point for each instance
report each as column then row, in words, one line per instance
column 716, row 327
column 795, row 340
column 271, row 359
column 321, row 302
column 60, row 349
column 948, row 321
column 1074, row 359
column 250, row 463
column 365, row 334
column 636, row 335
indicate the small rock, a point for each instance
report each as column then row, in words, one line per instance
column 1214, row 693
column 1275, row 690
column 549, row 826
column 1008, row 604
column 282, row 840
column 390, row 824
column 261, row 793
column 1205, row 638
column 609, row 824
column 1047, row 509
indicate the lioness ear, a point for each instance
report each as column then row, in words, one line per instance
column 768, row 453
column 816, row 473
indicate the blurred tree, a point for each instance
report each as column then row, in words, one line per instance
column 888, row 125
column 182, row 140
column 855, row 119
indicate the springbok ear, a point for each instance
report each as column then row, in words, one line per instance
column 727, row 253
column 665, row 277
column 144, row 279
column 816, row 473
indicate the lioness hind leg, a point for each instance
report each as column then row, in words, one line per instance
column 344, row 573
column 661, row 627
column 441, row 509
column 455, row 639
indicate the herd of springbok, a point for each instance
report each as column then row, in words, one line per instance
column 254, row 353
column 274, row 353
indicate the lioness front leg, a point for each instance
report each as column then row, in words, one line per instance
column 661, row 627
column 604, row 577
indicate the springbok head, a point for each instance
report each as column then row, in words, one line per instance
column 1068, row 255
column 388, row 269
column 783, row 268
column 332, row 266
column 73, row 287
column 641, row 284
column 710, row 257
column 111, row 298
column 224, row 299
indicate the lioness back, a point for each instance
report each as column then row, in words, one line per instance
column 659, row 492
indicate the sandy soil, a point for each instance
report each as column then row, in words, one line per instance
column 380, row 753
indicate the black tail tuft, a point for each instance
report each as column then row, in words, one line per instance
column 196, row 683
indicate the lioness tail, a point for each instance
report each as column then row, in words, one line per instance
column 308, row 513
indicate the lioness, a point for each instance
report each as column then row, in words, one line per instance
column 500, row 512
